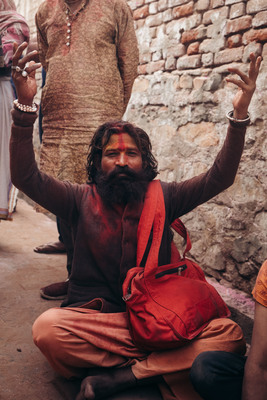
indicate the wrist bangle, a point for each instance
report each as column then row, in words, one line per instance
column 25, row 108
column 235, row 121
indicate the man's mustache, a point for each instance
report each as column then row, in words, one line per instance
column 128, row 172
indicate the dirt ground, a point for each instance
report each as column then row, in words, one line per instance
column 24, row 372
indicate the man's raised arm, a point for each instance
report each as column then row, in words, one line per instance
column 50, row 193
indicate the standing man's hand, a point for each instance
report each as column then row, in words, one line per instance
column 23, row 73
column 246, row 85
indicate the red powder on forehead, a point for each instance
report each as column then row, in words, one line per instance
column 121, row 142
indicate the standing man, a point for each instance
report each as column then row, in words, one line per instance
column 89, row 51
column 92, row 330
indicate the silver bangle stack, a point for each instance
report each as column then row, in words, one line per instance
column 239, row 122
column 25, row 108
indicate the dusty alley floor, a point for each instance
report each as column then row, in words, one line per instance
column 24, row 373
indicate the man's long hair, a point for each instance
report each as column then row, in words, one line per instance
column 101, row 138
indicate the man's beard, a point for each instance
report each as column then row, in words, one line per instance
column 114, row 188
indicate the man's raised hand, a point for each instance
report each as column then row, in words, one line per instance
column 23, row 73
column 246, row 86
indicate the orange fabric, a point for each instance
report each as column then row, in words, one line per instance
column 260, row 289
column 75, row 339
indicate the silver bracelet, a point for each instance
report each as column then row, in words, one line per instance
column 25, row 108
column 235, row 121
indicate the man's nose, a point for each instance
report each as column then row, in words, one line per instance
column 122, row 160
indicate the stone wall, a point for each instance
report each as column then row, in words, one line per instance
column 180, row 98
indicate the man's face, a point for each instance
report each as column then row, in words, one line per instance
column 121, row 151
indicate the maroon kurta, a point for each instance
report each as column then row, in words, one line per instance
column 106, row 238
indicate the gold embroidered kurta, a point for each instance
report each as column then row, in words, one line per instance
column 87, row 83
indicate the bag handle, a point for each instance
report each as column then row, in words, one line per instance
column 179, row 227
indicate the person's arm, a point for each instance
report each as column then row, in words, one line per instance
column 127, row 48
column 255, row 377
column 56, row 196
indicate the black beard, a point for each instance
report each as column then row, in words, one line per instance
column 114, row 188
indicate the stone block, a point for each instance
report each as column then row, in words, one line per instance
column 194, row 34
column 199, row 81
column 252, row 47
column 211, row 16
column 154, row 66
column 176, row 50
column 202, row 134
column 186, row 82
column 237, row 10
column 216, row 3
column 184, row 10
column 162, row 5
column 140, row 85
column 144, row 38
column 144, row 57
column 136, row 3
column 139, row 23
column 259, row 19
column 256, row 6
column 170, row 64
column 211, row 45
column 173, row 3
column 142, row 12
column 259, row 35
column 213, row 82
column 153, row 8
column 193, row 48
column 187, row 62
column 229, row 2
column 234, row 41
column 228, row 56
column 154, row 20
column 142, row 69
column 202, row 5
column 157, row 55
column 207, row 59
column 239, row 24
column 167, row 15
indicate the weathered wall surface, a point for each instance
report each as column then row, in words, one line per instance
column 180, row 98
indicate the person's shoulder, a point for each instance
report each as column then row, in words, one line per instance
column 46, row 6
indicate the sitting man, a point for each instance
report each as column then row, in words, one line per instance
column 90, row 330
column 220, row 375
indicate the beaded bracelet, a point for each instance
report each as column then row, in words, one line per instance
column 235, row 121
column 25, row 108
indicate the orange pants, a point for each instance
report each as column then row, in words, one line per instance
column 75, row 339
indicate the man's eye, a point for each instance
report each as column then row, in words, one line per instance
column 132, row 153
column 111, row 154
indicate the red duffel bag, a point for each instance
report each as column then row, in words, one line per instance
column 169, row 305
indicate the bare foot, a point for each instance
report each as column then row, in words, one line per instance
column 98, row 387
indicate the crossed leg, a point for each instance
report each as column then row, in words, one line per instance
column 75, row 340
